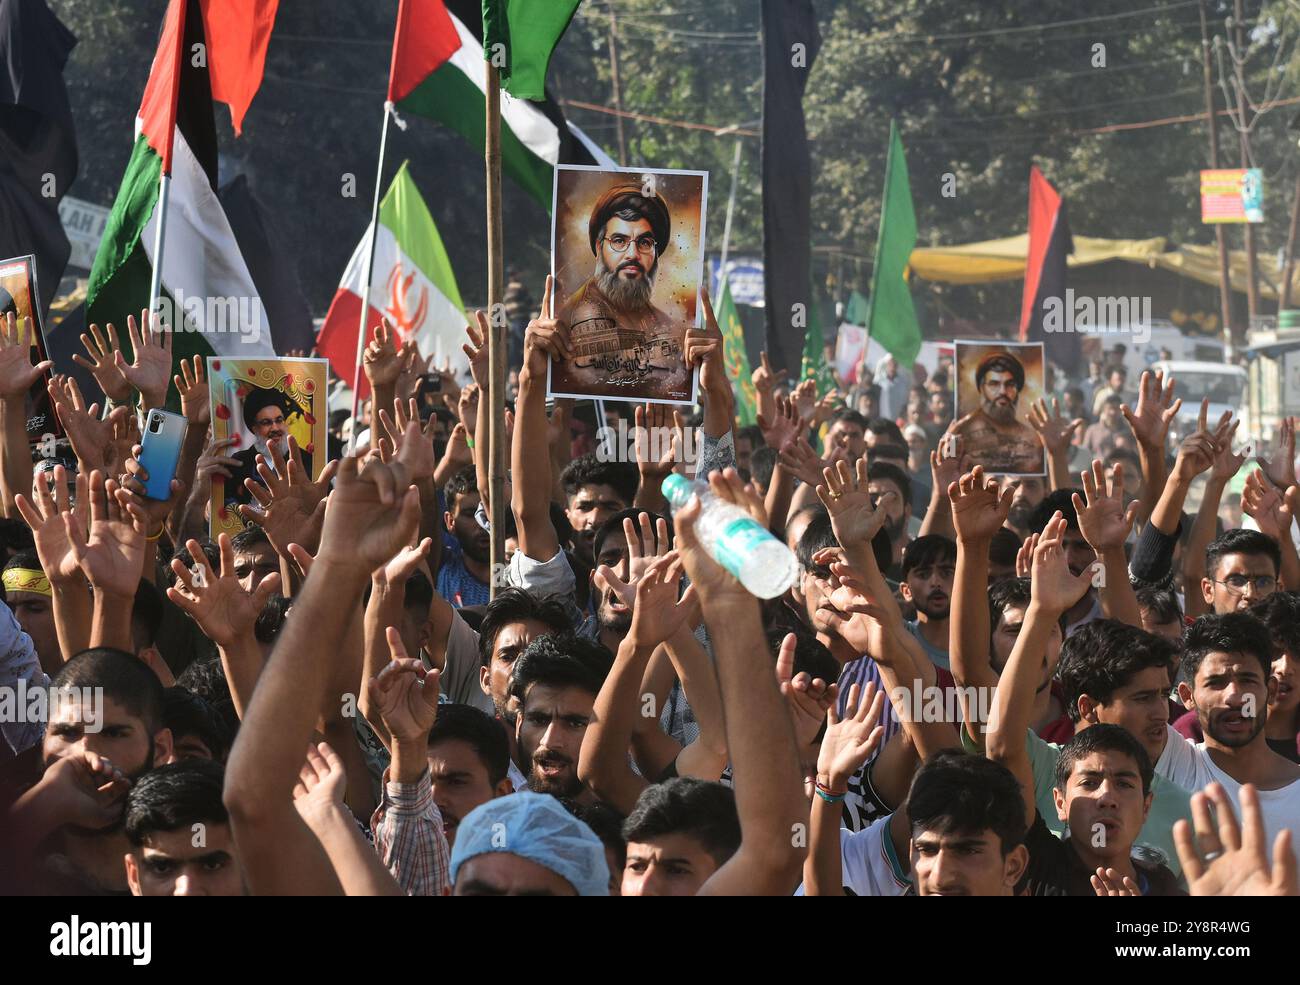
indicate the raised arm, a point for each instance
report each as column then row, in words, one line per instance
column 765, row 765
column 947, row 463
column 1204, row 527
column 17, row 377
column 704, row 349
column 1156, row 408
column 1105, row 525
column 70, row 594
column 1053, row 592
column 1273, row 512
column 372, row 513
column 1055, row 434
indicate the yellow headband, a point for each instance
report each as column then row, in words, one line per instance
column 26, row 580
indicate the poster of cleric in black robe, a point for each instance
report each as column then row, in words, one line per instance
column 627, row 253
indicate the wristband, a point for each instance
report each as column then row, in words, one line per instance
column 828, row 797
column 158, row 534
column 469, row 441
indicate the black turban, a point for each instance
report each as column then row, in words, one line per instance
column 627, row 202
column 1001, row 362
column 259, row 400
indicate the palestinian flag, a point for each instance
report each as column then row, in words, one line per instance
column 438, row 71
column 525, row 32
column 413, row 286
column 1050, row 243
column 205, row 278
column 736, row 358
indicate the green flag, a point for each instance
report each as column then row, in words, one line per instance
column 857, row 311
column 814, row 365
column 519, row 36
column 891, row 318
column 733, row 350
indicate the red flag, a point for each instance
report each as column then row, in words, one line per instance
column 238, row 33
column 1050, row 243
column 424, row 38
column 158, row 105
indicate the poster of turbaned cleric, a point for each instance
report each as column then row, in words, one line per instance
column 627, row 253
column 997, row 383
column 20, row 297
column 257, row 404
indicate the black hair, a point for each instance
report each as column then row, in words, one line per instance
column 703, row 810
column 1004, row 547
column 817, row 536
column 249, row 539
column 516, row 605
column 206, row 678
column 24, row 559
column 960, row 793
column 464, row 480
column 1162, row 603
column 607, row 825
column 1280, row 612
column 886, row 428
column 478, row 730
column 1235, row 632
column 928, row 551
column 811, row 656
column 887, row 451
column 762, row 463
column 755, row 435
column 562, row 660
column 270, row 621
column 1103, row 738
column 1102, row 656
column 124, row 679
column 15, row 535
column 1242, row 541
column 587, row 470
column 210, row 551
column 174, row 797
column 1058, row 499
column 147, row 612
column 185, row 713
column 850, row 416
column 884, row 471
column 613, row 527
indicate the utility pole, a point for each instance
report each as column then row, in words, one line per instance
column 1220, row 234
column 613, row 78
column 1288, row 263
column 1238, row 65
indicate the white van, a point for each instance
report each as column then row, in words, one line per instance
column 1193, row 382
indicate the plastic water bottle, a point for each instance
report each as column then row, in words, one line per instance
column 733, row 538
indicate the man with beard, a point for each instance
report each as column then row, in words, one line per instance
column 992, row 434
column 556, row 681
column 1228, row 682
column 1241, row 570
column 929, row 565
column 266, row 415
column 125, row 733
column 1027, row 491
column 619, row 338
column 466, row 552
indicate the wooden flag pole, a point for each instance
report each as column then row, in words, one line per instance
column 371, row 235
column 496, row 340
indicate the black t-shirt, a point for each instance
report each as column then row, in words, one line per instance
column 1055, row 869
column 1285, row 747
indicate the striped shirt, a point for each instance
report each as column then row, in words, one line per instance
column 408, row 837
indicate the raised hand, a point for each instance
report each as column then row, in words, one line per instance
column 657, row 420
column 476, row 349
column 712, row 581
column 151, row 370
column 765, row 378
column 321, row 785
column 290, row 507
column 852, row 740
column 949, row 461
column 826, row 406
column 133, row 488
column 643, row 550
column 1156, row 408
column 467, row 407
column 1054, row 431
column 103, row 363
column 111, row 551
column 1270, row 507
column 1103, row 521
column 45, row 517
column 17, row 374
column 809, row 698
column 1280, row 470
column 546, row 337
column 805, row 399
column 979, row 506
column 1025, row 556
column 799, row 459
column 380, row 360
column 1108, row 882
column 89, row 436
column 1235, row 861
column 1052, row 585
column 404, row 694
column 193, row 388
column 703, row 348
column 406, row 418
column 1200, row 449
column 855, row 519
column 785, row 426
column 404, row 564
column 372, row 513
column 411, row 366
column 657, row 611
column 216, row 600
column 1227, row 463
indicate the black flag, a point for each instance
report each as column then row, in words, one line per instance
column 790, row 45
column 38, row 149
column 1050, row 243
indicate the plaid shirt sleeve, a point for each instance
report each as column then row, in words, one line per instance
column 409, row 838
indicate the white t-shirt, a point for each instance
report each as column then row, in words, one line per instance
column 869, row 863
column 1189, row 765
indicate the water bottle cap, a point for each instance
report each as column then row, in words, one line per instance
column 677, row 490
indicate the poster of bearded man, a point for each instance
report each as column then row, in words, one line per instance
column 627, row 254
column 996, row 384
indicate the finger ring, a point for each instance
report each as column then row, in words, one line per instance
column 1211, row 856
column 836, row 495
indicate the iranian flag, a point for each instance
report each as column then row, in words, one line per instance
column 208, row 49
column 413, row 286
column 438, row 71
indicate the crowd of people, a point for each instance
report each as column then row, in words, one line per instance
column 977, row 684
